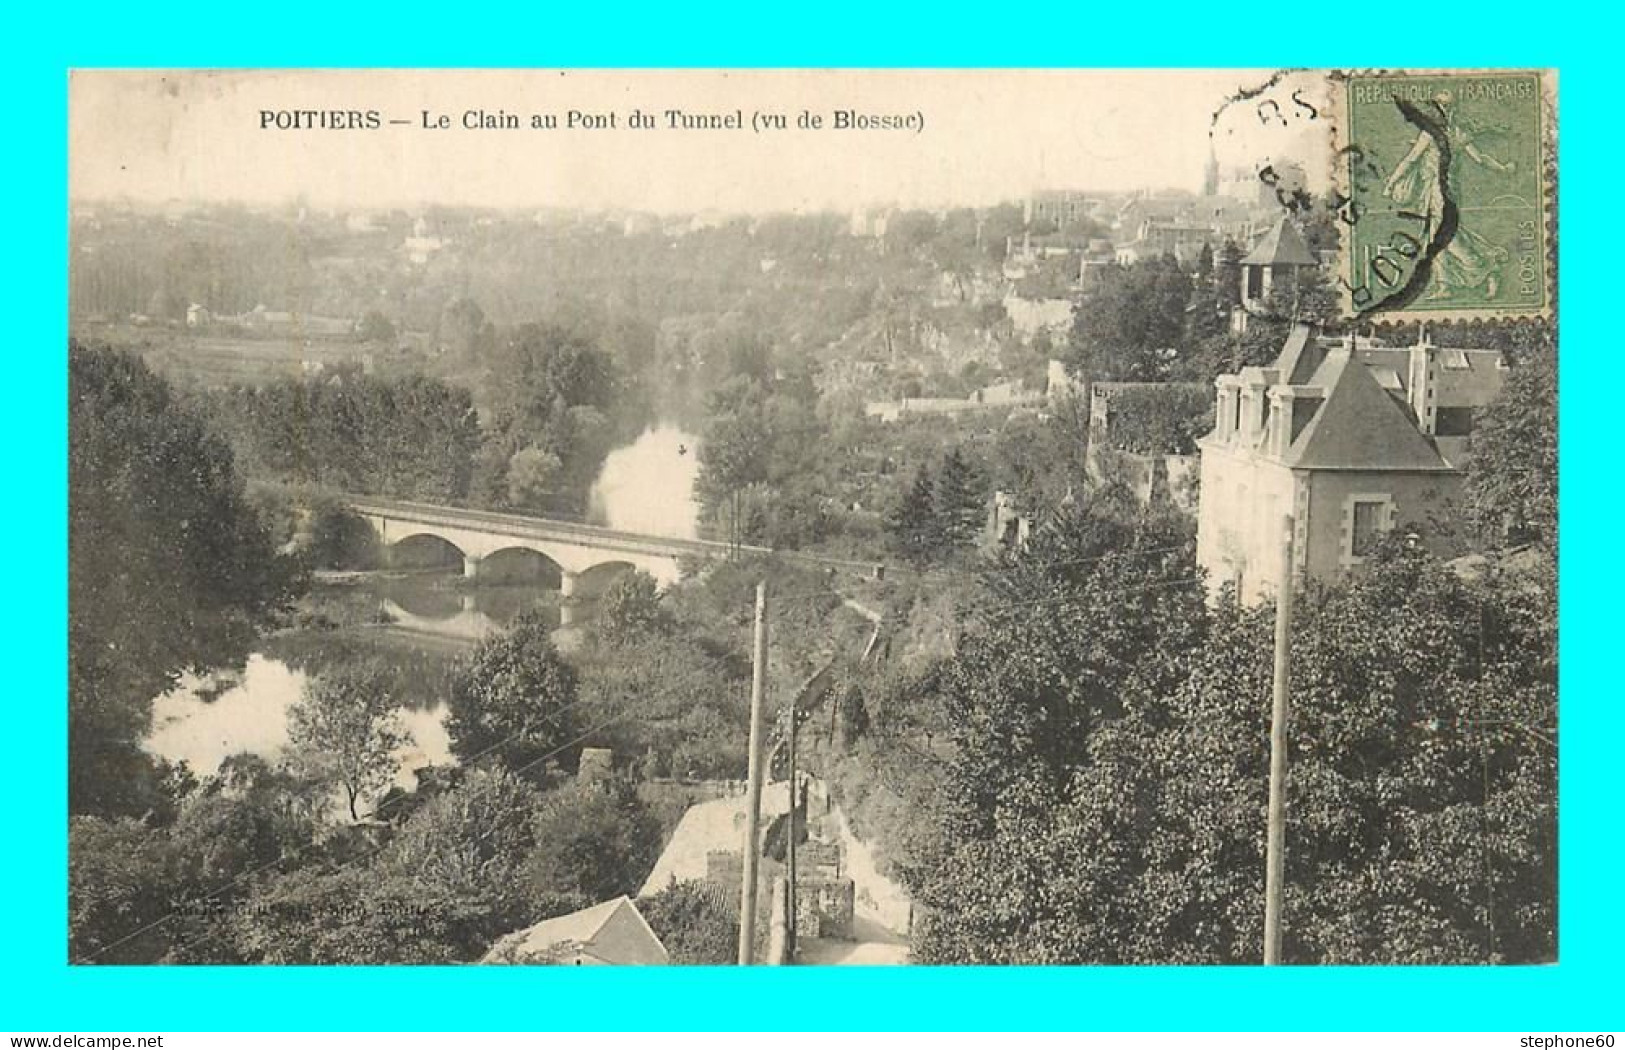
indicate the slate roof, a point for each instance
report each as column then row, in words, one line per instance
column 1360, row 426
column 1282, row 246
column 580, row 930
column 1300, row 356
column 1470, row 378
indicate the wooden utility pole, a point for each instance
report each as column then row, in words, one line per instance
column 1275, row 847
column 790, row 848
column 753, row 792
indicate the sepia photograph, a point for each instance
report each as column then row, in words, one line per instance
column 814, row 517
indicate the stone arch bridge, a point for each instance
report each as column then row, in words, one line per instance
column 581, row 553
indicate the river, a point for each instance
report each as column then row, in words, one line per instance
column 417, row 623
column 648, row 486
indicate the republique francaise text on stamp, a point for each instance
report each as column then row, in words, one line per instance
column 1446, row 190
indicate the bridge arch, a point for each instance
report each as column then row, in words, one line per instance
column 522, row 563
column 573, row 548
column 594, row 580
column 423, row 550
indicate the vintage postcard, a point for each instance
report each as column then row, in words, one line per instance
column 812, row 517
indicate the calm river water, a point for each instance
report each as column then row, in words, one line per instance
column 416, row 623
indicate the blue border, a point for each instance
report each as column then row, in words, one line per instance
column 40, row 992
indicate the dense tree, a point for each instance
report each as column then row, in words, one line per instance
column 168, row 568
column 510, row 703
column 344, row 732
column 550, row 390
column 913, row 524
column 533, row 475
column 759, row 454
column 1130, row 324
column 957, row 503
column 1512, row 475
column 442, row 891
column 543, row 370
column 1421, row 825
column 140, row 893
column 470, row 845
column 735, row 448
column 339, row 538
column 356, row 916
column 692, row 700
column 592, row 839
column 410, row 437
column 1161, row 420
column 630, row 608
column 1088, row 614
column 121, row 891
column 698, row 923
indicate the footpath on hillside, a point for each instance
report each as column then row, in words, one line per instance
column 705, row 846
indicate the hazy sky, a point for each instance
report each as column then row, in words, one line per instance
column 988, row 136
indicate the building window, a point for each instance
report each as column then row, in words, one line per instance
column 1455, row 421
column 1366, row 519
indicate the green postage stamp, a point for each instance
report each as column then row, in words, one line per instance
column 1447, row 195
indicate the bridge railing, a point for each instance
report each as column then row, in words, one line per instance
column 533, row 527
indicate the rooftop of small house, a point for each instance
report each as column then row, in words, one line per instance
column 1283, row 245
column 1351, row 405
column 613, row 932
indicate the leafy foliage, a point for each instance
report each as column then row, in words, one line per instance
column 410, row 437
column 595, row 840
column 138, row 893
column 169, row 568
column 557, row 404
column 1422, row 783
column 355, row 916
column 690, row 695
column 510, row 703
column 1165, row 419
column 344, row 731
column 340, row 538
column 1512, row 476
column 630, row 608
column 533, row 474
column 757, row 452
column 470, row 844
column 698, row 923
column 1130, row 323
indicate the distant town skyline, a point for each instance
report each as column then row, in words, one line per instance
column 989, row 136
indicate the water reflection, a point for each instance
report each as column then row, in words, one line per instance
column 251, row 715
column 416, row 624
column 443, row 605
column 202, row 724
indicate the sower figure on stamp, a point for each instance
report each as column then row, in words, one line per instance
column 1468, row 261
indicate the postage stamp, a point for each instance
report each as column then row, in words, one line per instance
column 1447, row 194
